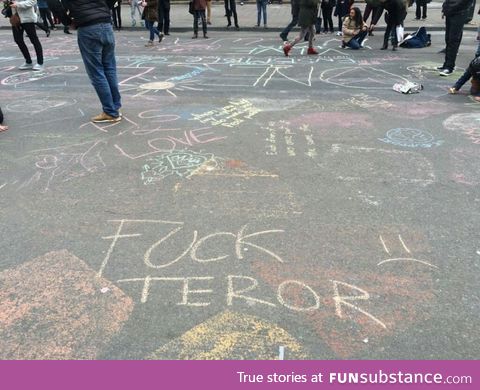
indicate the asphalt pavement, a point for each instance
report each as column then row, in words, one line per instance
column 247, row 206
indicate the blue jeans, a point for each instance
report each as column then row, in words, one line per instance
column 153, row 30
column 356, row 42
column 97, row 47
column 261, row 8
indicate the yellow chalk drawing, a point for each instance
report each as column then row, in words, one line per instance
column 232, row 336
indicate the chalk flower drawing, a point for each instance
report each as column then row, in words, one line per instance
column 410, row 138
column 180, row 163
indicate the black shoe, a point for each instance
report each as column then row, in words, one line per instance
column 47, row 32
column 370, row 33
column 237, row 27
column 166, row 33
column 283, row 37
column 384, row 47
column 441, row 68
column 195, row 36
column 394, row 48
column 66, row 30
column 205, row 36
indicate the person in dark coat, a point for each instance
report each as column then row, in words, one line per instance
column 59, row 13
column 341, row 10
column 455, row 12
column 151, row 16
column 306, row 20
column 199, row 7
column 327, row 11
column 295, row 5
column 376, row 10
column 164, row 16
column 473, row 74
column 396, row 13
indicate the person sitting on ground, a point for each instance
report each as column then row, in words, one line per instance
column 306, row 20
column 354, row 30
column 2, row 126
column 473, row 74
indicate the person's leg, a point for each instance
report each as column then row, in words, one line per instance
column 418, row 11
column 110, row 66
column 424, row 12
column 233, row 9
column 264, row 10
column 43, row 15
column 259, row 10
column 386, row 36
column 91, row 45
column 49, row 18
column 353, row 44
column 114, row 17
column 204, row 23
column 166, row 20
column 301, row 35
column 119, row 16
column 209, row 12
column 330, row 19
column 32, row 34
column 454, row 39
column 228, row 13
column 161, row 17
column 195, row 23
column 366, row 13
column 311, row 35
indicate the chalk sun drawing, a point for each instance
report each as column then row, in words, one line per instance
column 468, row 124
column 180, row 163
column 410, row 138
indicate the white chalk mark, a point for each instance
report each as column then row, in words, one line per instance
column 281, row 352
column 171, row 93
column 263, row 74
column 408, row 259
column 110, row 250
column 81, row 112
column 404, row 246
column 342, row 300
column 384, row 246
column 3, row 185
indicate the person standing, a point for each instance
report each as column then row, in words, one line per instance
column 295, row 6
column 455, row 12
column 117, row 15
column 376, row 10
column 421, row 9
column 396, row 12
column 199, row 7
column 341, row 10
column 231, row 10
column 209, row 12
column 262, row 9
column 327, row 11
column 135, row 6
column 354, row 30
column 151, row 16
column 164, row 17
column 96, row 42
column 28, row 18
column 60, row 14
column 306, row 20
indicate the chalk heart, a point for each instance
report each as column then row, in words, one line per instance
column 48, row 162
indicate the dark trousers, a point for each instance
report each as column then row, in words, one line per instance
column 291, row 25
column 163, row 18
column 390, row 31
column 199, row 15
column 46, row 16
column 453, row 37
column 470, row 11
column 327, row 18
column 29, row 28
column 231, row 9
column 117, row 16
column 421, row 11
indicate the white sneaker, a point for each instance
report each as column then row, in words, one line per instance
column 363, row 42
column 26, row 66
column 37, row 67
column 339, row 33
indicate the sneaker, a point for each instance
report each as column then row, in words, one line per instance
column 283, row 37
column 311, row 50
column 160, row 37
column 286, row 49
column 149, row 44
column 363, row 42
column 446, row 72
column 26, row 66
column 105, row 118
column 339, row 33
column 37, row 67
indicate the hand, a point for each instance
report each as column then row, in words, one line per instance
column 13, row 4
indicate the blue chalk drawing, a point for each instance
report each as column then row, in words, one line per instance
column 410, row 138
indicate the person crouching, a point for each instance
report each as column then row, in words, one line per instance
column 354, row 30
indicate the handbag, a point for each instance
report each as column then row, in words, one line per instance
column 15, row 20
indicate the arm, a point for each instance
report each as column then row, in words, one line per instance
column 23, row 4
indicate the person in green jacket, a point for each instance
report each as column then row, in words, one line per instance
column 306, row 20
